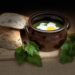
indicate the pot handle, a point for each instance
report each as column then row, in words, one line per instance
column 69, row 24
column 26, row 28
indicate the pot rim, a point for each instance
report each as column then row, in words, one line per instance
column 45, row 31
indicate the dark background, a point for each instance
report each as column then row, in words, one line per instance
column 30, row 5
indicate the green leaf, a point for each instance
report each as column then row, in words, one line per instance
column 63, row 60
column 72, row 51
column 18, row 50
column 72, row 37
column 20, row 60
column 64, row 52
column 30, row 53
column 70, row 59
column 67, row 45
column 35, row 45
column 20, row 54
column 21, row 57
column 25, row 55
column 66, row 58
column 32, row 49
column 36, row 60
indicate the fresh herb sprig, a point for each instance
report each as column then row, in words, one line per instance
column 29, row 53
column 68, row 50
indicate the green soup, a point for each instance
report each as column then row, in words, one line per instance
column 38, row 23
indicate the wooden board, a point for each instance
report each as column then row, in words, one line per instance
column 9, row 54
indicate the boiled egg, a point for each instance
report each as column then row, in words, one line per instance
column 47, row 26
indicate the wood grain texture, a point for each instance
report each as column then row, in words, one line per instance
column 9, row 54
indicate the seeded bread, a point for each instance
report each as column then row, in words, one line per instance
column 10, row 38
column 13, row 20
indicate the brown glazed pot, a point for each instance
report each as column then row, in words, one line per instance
column 48, row 40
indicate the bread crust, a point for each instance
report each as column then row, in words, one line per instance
column 10, row 38
column 13, row 20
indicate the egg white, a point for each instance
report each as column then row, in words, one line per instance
column 43, row 26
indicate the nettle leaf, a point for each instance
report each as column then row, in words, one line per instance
column 63, row 60
column 66, row 59
column 35, row 59
column 20, row 54
column 20, row 57
column 32, row 49
column 18, row 50
column 67, row 45
column 35, row 45
column 30, row 52
column 67, row 52
column 70, row 59
column 72, row 51
column 72, row 37
column 20, row 60
column 65, row 56
column 64, row 52
column 25, row 55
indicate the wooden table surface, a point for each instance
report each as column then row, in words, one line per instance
column 50, row 66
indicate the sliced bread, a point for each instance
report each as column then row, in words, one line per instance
column 13, row 20
column 10, row 38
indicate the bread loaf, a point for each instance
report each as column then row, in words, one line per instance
column 10, row 38
column 13, row 20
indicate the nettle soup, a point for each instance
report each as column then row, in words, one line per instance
column 47, row 25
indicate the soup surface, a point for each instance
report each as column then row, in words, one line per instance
column 47, row 25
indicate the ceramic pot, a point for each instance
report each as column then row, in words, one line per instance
column 48, row 40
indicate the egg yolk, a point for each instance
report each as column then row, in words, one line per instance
column 50, row 28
